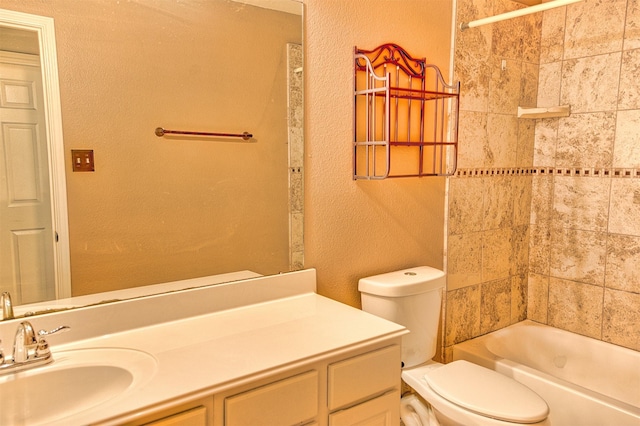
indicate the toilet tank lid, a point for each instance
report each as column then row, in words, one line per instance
column 402, row 283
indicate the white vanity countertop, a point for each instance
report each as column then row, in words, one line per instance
column 206, row 354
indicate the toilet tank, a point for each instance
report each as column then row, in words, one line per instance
column 412, row 298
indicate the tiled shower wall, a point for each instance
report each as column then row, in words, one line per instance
column 489, row 199
column 539, row 225
column 585, row 217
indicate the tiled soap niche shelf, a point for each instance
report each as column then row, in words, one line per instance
column 405, row 118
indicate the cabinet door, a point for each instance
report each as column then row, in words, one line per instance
column 381, row 411
column 290, row 401
column 364, row 376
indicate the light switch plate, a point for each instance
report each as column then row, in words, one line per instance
column 82, row 160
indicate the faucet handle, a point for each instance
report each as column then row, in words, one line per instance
column 43, row 350
column 60, row 329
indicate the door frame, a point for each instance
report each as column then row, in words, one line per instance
column 44, row 28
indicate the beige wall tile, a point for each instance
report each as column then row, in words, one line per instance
column 590, row 84
column 624, row 213
column 462, row 314
column 520, row 250
column 465, row 205
column 539, row 249
column 498, row 202
column 538, row 298
column 578, row 255
column 474, row 94
column 518, row 298
column 529, row 84
column 550, row 83
column 504, row 86
column 629, row 96
column 576, row 307
column 632, row 26
column 552, row 35
column 581, row 203
column 626, row 152
column 296, row 191
column 447, row 358
column 496, row 254
column 297, row 260
column 586, row 140
column 297, row 232
column 472, row 53
column 517, row 38
column 583, row 38
column 526, row 141
column 495, row 305
column 546, row 140
column 531, row 35
column 472, row 139
column 521, row 186
column 621, row 318
column 503, row 140
column 541, row 199
column 476, row 43
column 507, row 39
column 623, row 263
column 464, row 256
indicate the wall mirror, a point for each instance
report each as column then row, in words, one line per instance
column 149, row 209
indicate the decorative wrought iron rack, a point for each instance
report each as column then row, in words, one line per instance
column 405, row 112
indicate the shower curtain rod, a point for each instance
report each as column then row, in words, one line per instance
column 516, row 13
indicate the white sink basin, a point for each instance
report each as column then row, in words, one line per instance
column 75, row 382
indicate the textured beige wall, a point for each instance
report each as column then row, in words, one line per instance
column 156, row 209
column 355, row 229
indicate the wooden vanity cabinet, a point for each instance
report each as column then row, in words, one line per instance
column 357, row 387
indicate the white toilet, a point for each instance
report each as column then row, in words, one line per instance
column 460, row 393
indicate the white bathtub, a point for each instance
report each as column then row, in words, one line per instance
column 584, row 381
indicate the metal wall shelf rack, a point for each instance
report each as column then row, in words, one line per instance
column 405, row 118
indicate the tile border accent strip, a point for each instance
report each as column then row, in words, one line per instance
column 550, row 171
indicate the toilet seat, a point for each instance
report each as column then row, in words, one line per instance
column 486, row 392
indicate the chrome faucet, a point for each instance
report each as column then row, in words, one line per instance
column 25, row 345
column 29, row 349
column 7, row 306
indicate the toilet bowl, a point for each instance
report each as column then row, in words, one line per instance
column 460, row 393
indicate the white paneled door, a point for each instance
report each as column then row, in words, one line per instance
column 27, row 235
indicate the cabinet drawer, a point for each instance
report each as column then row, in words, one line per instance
column 363, row 376
column 194, row 417
column 381, row 411
column 286, row 402
column 193, row 413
